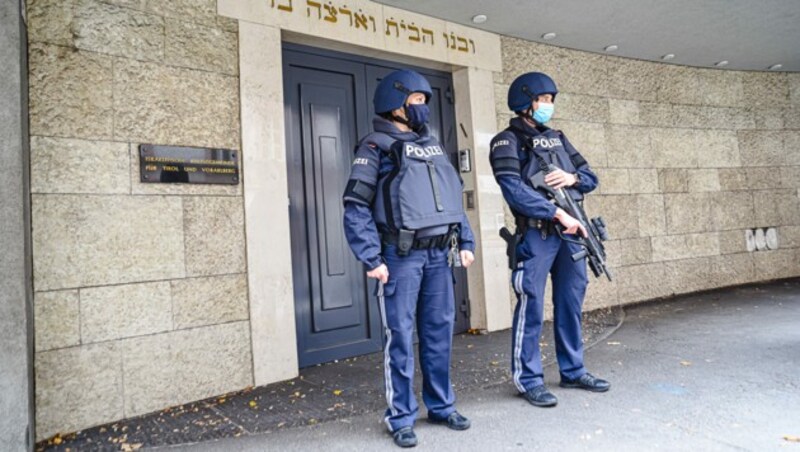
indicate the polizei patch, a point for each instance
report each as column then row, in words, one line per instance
column 546, row 142
column 412, row 150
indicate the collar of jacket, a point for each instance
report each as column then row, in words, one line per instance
column 525, row 127
column 389, row 128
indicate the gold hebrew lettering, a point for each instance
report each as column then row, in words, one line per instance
column 391, row 23
column 332, row 11
column 361, row 20
column 374, row 28
column 312, row 4
column 348, row 13
column 413, row 29
column 472, row 43
column 287, row 8
column 425, row 31
column 465, row 46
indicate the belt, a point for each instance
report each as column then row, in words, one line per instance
column 434, row 241
column 542, row 225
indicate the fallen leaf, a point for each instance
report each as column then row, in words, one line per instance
column 253, row 404
column 686, row 363
column 495, row 363
column 337, row 392
column 57, row 440
column 792, row 438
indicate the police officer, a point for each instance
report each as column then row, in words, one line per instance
column 517, row 153
column 404, row 220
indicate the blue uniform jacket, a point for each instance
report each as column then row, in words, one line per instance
column 369, row 165
column 508, row 158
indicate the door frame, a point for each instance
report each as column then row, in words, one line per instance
column 264, row 183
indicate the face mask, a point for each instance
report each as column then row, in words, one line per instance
column 543, row 113
column 417, row 114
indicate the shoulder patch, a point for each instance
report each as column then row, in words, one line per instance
column 499, row 143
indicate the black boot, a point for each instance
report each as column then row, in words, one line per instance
column 405, row 437
column 586, row 381
column 540, row 396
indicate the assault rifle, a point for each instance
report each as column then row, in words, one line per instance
column 596, row 228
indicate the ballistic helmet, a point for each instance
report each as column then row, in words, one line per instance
column 527, row 88
column 395, row 88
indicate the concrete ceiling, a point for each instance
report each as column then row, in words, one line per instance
column 749, row 34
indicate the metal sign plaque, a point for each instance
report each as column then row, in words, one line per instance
column 178, row 164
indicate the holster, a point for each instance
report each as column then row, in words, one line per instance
column 512, row 240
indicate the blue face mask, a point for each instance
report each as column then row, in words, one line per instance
column 418, row 115
column 543, row 113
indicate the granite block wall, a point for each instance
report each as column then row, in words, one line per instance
column 140, row 290
column 688, row 159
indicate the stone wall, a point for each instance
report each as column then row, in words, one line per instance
column 688, row 159
column 140, row 290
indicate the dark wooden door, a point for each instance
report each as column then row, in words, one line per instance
column 334, row 316
column 328, row 105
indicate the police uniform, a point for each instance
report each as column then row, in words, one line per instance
column 403, row 208
column 517, row 153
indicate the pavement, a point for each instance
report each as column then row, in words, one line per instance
column 712, row 371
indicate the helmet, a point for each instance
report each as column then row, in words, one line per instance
column 395, row 88
column 527, row 87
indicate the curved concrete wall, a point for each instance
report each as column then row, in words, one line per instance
column 688, row 160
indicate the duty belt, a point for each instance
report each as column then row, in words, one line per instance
column 434, row 241
column 542, row 225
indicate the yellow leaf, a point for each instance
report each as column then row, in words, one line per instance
column 337, row 392
column 57, row 440
column 253, row 404
column 686, row 363
column 495, row 363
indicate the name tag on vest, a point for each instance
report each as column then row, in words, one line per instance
column 422, row 152
column 546, row 143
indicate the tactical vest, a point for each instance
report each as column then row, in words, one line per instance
column 422, row 189
column 546, row 148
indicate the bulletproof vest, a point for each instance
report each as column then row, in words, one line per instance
column 544, row 149
column 422, row 189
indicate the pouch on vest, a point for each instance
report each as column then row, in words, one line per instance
column 428, row 186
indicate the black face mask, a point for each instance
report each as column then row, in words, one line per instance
column 417, row 115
